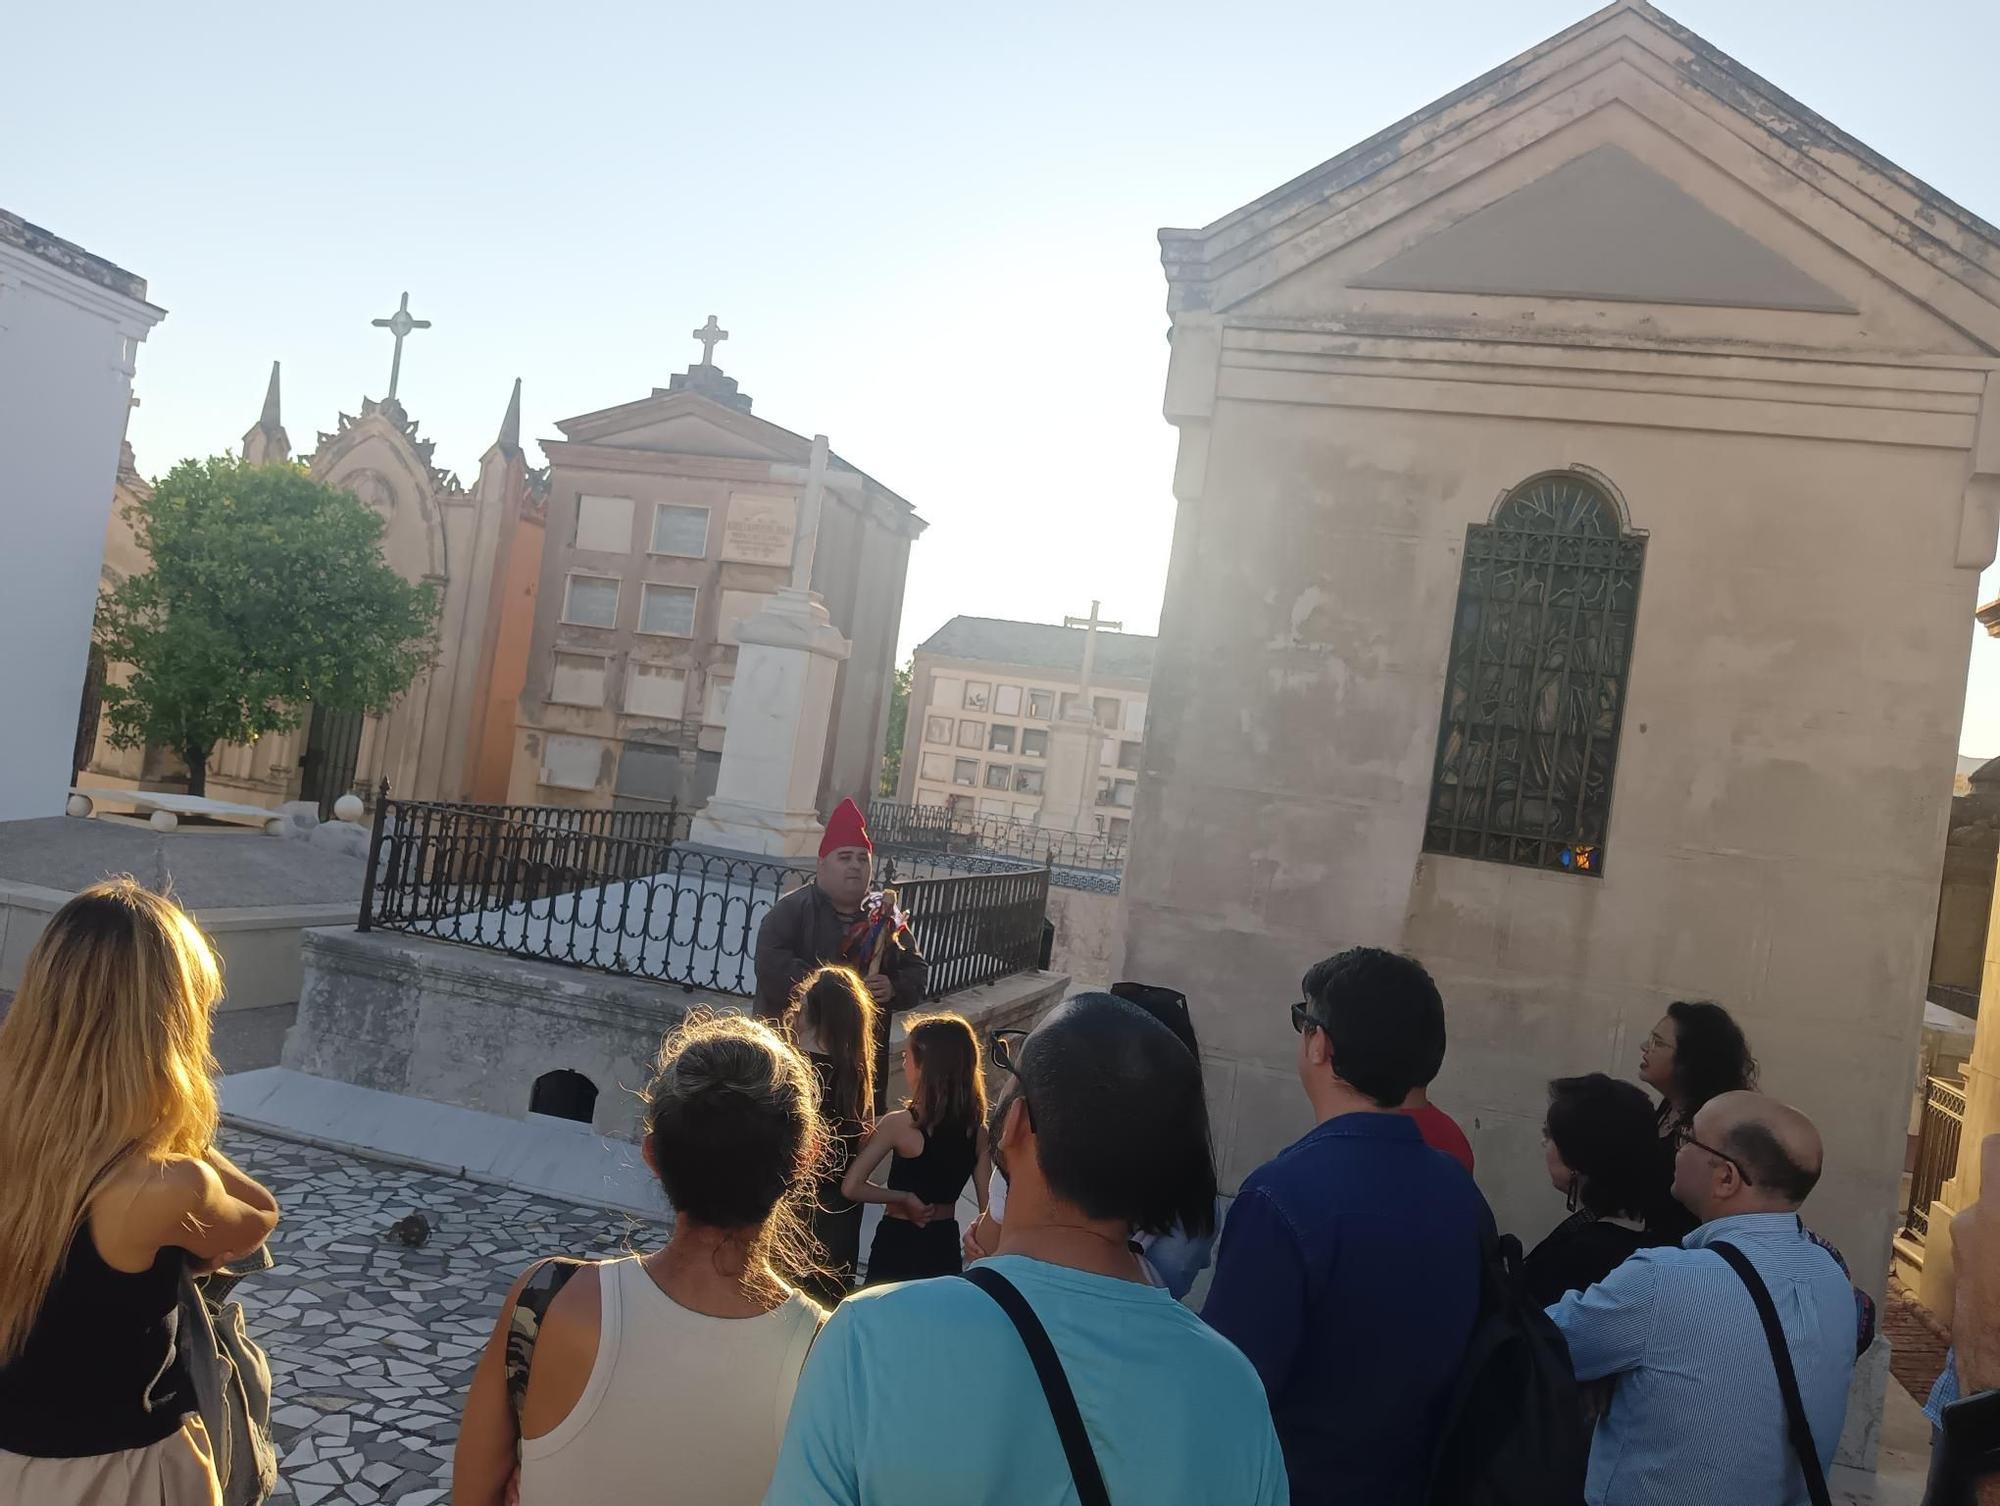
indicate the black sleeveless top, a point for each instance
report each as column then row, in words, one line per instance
column 939, row 1173
column 100, row 1371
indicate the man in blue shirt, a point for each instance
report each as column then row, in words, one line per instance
column 1349, row 1270
column 1697, row 1416
column 923, row 1393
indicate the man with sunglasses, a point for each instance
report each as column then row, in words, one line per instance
column 1699, row 1414
column 929, row 1391
column 1349, row 1269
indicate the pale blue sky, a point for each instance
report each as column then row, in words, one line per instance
column 930, row 229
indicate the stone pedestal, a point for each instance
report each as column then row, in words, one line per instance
column 1069, row 789
column 772, row 749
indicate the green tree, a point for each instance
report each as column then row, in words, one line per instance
column 899, row 718
column 267, row 594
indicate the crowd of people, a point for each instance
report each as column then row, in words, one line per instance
column 1353, row 1273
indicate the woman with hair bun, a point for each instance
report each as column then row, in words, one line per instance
column 600, row 1375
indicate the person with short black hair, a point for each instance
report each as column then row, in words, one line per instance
column 1698, row 1414
column 926, row 1392
column 1349, row 1269
column 1599, row 1144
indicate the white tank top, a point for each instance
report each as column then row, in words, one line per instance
column 678, row 1404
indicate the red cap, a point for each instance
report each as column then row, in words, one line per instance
column 846, row 829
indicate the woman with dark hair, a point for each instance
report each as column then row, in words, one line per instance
column 598, row 1371
column 933, row 1143
column 832, row 1020
column 1602, row 1156
column 1695, row 1053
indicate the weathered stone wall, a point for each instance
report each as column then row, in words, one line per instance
column 1090, row 935
column 474, row 1028
column 462, row 1026
column 1780, row 799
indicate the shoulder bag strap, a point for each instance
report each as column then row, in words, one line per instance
column 1788, row 1381
column 524, row 1325
column 1055, row 1384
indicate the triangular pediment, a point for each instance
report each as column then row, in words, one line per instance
column 685, row 423
column 1605, row 226
column 1624, row 179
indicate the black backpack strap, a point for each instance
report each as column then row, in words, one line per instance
column 1788, row 1380
column 1055, row 1384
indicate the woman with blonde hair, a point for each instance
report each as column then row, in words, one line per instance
column 832, row 1020
column 111, row 1187
column 599, row 1376
column 933, row 1143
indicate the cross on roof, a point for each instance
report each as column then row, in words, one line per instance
column 710, row 334
column 399, row 324
column 1090, row 625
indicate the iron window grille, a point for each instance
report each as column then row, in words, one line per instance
column 1535, row 687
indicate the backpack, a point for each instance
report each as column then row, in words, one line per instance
column 232, row 1385
column 1514, row 1431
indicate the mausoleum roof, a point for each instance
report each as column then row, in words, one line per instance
column 1041, row 645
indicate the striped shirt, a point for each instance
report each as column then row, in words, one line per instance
column 1697, row 1419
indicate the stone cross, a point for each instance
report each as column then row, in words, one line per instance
column 711, row 335
column 809, row 510
column 1090, row 626
column 399, row 324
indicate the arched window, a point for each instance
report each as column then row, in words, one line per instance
column 564, row 1094
column 1535, row 687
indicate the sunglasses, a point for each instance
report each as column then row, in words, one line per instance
column 1684, row 1135
column 1302, row 1019
column 1006, row 1050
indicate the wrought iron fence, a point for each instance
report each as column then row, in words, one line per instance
column 978, row 927
column 1937, row 1152
column 532, row 882
column 938, row 828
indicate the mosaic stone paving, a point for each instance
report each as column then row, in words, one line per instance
column 372, row 1343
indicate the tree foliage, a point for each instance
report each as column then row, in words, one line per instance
column 267, row 594
column 899, row 719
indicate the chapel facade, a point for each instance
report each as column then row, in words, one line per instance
column 1583, row 487
column 450, row 735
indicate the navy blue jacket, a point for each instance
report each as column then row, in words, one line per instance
column 1349, row 1274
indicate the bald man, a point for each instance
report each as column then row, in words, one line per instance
column 1697, row 1417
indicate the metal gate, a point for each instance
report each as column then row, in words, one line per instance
column 333, row 747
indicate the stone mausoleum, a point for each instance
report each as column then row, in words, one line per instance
column 1583, row 488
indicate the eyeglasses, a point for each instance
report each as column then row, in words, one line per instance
column 1007, row 1050
column 1302, row 1019
column 1684, row 1135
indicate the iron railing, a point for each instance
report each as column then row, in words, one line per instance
column 977, row 928
column 502, row 879
column 941, row 828
column 1937, row 1152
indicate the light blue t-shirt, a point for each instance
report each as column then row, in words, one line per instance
column 922, row 1393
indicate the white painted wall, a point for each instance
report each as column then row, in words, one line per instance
column 67, row 347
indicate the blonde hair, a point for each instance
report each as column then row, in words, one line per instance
column 840, row 1011
column 733, row 1115
column 106, row 1049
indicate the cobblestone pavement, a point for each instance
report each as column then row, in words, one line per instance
column 372, row 1343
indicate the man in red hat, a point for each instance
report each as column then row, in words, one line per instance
column 832, row 920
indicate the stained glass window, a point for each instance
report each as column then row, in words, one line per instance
column 1535, row 686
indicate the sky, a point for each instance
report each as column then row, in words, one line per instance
column 930, row 230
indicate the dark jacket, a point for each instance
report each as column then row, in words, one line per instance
column 1349, row 1273
column 802, row 932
